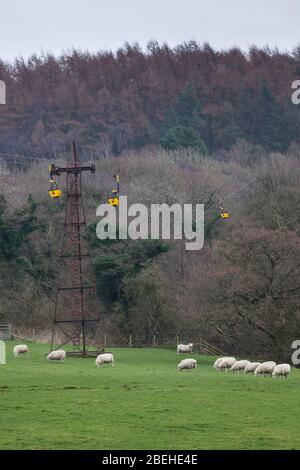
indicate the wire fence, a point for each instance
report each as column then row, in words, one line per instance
column 105, row 341
column 200, row 345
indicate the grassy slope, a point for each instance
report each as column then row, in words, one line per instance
column 143, row 403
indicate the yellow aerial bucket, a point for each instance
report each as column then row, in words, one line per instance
column 54, row 193
column 224, row 215
column 113, row 201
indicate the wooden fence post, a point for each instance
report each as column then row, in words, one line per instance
column 130, row 342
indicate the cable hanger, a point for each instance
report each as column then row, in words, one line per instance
column 224, row 214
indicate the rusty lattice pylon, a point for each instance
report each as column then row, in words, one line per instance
column 72, row 316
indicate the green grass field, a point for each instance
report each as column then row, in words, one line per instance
column 143, row 403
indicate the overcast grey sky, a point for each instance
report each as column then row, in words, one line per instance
column 33, row 26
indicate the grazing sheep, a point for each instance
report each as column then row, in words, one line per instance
column 250, row 368
column 105, row 358
column 192, row 360
column 185, row 348
column 266, row 368
column 218, row 362
column 239, row 365
column 226, row 363
column 281, row 369
column 20, row 349
column 187, row 364
column 59, row 355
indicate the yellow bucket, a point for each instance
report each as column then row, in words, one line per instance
column 54, row 193
column 113, row 201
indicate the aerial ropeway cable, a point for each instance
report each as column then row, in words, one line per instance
column 25, row 157
column 224, row 214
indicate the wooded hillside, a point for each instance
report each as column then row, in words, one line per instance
column 112, row 102
column 187, row 125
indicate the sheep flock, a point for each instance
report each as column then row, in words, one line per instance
column 267, row 368
column 227, row 364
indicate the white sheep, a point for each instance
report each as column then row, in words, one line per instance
column 250, row 368
column 185, row 348
column 58, row 355
column 105, row 358
column 265, row 368
column 281, row 369
column 226, row 363
column 187, row 364
column 192, row 360
column 218, row 362
column 20, row 349
column 239, row 365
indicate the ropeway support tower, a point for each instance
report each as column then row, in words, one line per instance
column 74, row 317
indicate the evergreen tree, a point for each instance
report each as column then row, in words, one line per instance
column 113, row 268
column 183, row 137
column 186, row 110
column 264, row 121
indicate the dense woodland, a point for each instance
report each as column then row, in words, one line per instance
column 180, row 125
column 113, row 102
